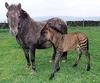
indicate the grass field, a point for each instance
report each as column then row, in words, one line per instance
column 13, row 67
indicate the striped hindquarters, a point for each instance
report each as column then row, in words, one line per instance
column 84, row 43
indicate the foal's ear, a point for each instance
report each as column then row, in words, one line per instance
column 6, row 5
column 46, row 26
column 19, row 5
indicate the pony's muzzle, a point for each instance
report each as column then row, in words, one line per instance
column 14, row 32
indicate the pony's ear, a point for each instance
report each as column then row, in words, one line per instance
column 19, row 6
column 6, row 5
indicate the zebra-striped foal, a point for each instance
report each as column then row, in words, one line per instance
column 77, row 41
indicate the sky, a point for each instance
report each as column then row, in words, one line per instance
column 38, row 8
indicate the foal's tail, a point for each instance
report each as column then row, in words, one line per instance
column 87, row 44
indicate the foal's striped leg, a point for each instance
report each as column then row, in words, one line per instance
column 79, row 53
column 87, row 54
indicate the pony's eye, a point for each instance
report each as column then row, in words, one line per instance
column 7, row 15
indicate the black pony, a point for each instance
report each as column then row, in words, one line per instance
column 27, row 31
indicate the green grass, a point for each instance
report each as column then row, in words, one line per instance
column 13, row 67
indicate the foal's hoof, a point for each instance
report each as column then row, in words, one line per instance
column 75, row 65
column 50, row 61
column 88, row 68
column 51, row 77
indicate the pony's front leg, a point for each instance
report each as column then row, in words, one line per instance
column 26, row 53
column 32, row 55
column 56, row 63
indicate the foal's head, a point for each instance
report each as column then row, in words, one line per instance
column 13, row 15
column 46, row 34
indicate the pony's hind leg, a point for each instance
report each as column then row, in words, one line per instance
column 79, row 53
column 32, row 55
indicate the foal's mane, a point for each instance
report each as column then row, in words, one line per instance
column 54, row 28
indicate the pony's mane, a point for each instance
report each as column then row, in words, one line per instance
column 24, row 14
column 12, row 6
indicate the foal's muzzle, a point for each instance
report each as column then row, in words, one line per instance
column 41, row 41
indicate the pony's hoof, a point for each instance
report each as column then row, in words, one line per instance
column 34, row 68
column 27, row 68
column 32, row 72
column 28, row 65
column 64, row 61
column 88, row 68
column 75, row 65
column 51, row 77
